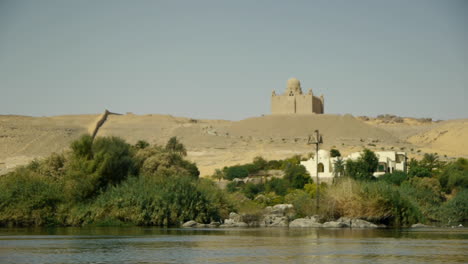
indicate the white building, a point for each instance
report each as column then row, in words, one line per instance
column 389, row 161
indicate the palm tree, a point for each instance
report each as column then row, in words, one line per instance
column 339, row 167
column 218, row 175
column 431, row 161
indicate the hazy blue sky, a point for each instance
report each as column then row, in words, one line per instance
column 222, row 59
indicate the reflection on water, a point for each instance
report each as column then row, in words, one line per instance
column 267, row 245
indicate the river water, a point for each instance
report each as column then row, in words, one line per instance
column 251, row 245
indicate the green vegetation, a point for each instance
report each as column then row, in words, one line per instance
column 431, row 191
column 339, row 168
column 363, row 167
column 296, row 175
column 233, row 172
column 375, row 201
column 456, row 209
column 141, row 144
column 395, row 178
column 107, row 181
column 174, row 146
column 454, row 176
column 334, row 153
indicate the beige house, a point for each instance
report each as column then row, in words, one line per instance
column 293, row 101
column 389, row 161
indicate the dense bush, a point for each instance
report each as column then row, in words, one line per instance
column 364, row 167
column 156, row 160
column 456, row 209
column 260, row 163
column 296, row 175
column 240, row 172
column 158, row 201
column 82, row 148
column 311, row 188
column 278, row 186
column 251, row 190
column 455, row 175
column 425, row 193
column 274, row 165
column 28, row 198
column 232, row 187
column 418, row 171
column 106, row 180
column 375, row 201
column 269, row 199
column 302, row 202
column 107, row 161
column 294, row 160
column 396, row 178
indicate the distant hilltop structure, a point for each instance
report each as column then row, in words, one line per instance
column 293, row 101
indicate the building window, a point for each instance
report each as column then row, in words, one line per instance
column 400, row 158
column 382, row 167
column 321, row 167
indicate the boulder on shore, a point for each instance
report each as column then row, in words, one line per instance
column 277, row 215
column 305, row 222
column 214, row 224
column 194, row 224
column 279, row 209
column 335, row 224
column 275, row 221
column 235, row 217
column 235, row 220
column 190, row 223
column 234, row 224
column 419, row 225
column 357, row 223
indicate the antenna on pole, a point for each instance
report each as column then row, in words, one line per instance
column 317, row 141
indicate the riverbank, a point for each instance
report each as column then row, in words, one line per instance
column 108, row 182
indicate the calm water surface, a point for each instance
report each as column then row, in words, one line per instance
column 267, row 245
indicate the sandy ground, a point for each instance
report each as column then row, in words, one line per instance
column 216, row 143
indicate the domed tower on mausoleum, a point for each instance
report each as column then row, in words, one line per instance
column 293, row 101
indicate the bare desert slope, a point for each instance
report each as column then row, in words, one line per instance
column 216, row 143
column 448, row 137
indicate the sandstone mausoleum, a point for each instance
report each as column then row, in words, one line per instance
column 293, row 101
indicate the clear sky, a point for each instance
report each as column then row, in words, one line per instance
column 222, row 59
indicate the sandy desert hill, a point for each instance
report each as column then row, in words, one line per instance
column 216, row 143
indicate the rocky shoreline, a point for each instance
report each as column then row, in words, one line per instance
column 282, row 215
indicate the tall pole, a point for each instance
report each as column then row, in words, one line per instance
column 317, row 142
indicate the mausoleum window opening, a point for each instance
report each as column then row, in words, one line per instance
column 320, row 167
